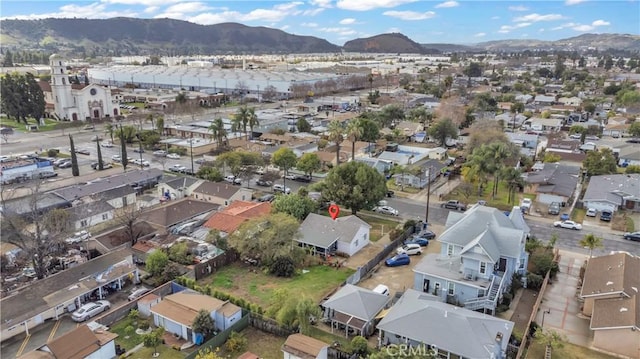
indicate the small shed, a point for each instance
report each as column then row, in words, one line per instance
column 145, row 303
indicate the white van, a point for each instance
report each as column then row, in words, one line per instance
column 382, row 289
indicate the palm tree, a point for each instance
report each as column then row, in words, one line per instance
column 439, row 72
column 336, row 136
column 496, row 153
column 240, row 120
column 252, row 120
column 354, row 133
column 217, row 130
column 448, row 82
column 513, row 177
column 110, row 129
column 592, row 242
column 151, row 119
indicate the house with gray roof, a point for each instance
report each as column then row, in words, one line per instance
column 417, row 319
column 382, row 166
column 323, row 235
column 90, row 214
column 221, row 193
column 353, row 310
column 25, row 206
column 177, row 187
column 611, row 192
column 481, row 250
column 554, row 182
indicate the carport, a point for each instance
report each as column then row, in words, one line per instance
column 353, row 308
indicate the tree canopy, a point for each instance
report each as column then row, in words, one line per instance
column 21, row 97
column 309, row 163
column 355, row 185
column 294, row 205
column 600, row 162
column 443, row 130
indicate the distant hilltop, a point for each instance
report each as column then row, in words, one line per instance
column 131, row 36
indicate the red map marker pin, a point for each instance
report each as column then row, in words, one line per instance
column 334, row 211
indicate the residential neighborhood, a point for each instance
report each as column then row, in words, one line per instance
column 438, row 204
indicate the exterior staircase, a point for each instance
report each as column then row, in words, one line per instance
column 489, row 302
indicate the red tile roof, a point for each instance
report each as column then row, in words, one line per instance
column 237, row 213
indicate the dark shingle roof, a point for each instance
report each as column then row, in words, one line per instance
column 171, row 213
column 126, row 179
column 217, row 189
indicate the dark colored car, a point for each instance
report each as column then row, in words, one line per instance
column 398, row 260
column 426, row 234
column 138, row 150
column 264, row 183
column 634, row 236
column 267, row 198
column 390, row 194
column 422, row 242
column 606, row 215
column 302, row 178
column 564, row 217
column 83, row 152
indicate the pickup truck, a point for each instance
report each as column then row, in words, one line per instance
column 454, row 204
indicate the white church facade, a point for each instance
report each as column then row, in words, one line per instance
column 77, row 102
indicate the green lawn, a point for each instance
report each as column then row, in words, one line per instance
column 125, row 339
column 49, row 124
column 578, row 214
column 568, row 351
column 500, row 200
column 165, row 353
column 267, row 346
column 257, row 287
column 391, row 185
column 379, row 226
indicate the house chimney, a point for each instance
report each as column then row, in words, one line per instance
column 497, row 348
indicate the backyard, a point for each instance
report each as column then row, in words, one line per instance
column 467, row 193
column 268, row 346
column 255, row 286
column 568, row 351
column 19, row 126
column 379, row 226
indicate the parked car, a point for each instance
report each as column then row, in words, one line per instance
column 525, row 205
column 160, row 153
column 554, row 208
column 105, row 165
column 143, row 163
column 423, row 242
column 173, row 156
column 44, row 175
column 386, row 210
column 426, row 234
column 83, row 152
column 58, row 161
column 591, row 212
column 567, row 225
column 232, row 179
column 454, row 204
column 565, row 217
column 390, row 194
column 290, row 176
column 264, row 183
column 200, row 161
column 137, row 293
column 65, row 164
column 90, row 310
column 302, row 178
column 410, row 249
column 281, row 188
column 575, row 136
column 177, row 168
column 267, row 198
column 398, row 260
column 116, row 158
column 78, row 237
column 633, row 236
column 138, row 150
column 106, row 144
column 606, row 215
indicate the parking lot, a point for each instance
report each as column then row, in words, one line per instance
column 398, row 279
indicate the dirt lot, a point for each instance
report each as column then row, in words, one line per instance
column 398, row 279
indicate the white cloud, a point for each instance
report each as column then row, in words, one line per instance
column 322, row 3
column 285, row 27
column 141, row 2
column 188, row 7
column 273, row 15
column 480, row 34
column 504, row 29
column 495, row 17
column 312, row 12
column 582, row 27
column 309, row 24
column 541, row 30
column 518, row 8
column 364, row 5
column 447, row 4
column 573, row 2
column 600, row 23
column 334, row 29
column 538, row 17
column 151, row 9
column 90, row 11
column 410, row 15
column 347, row 21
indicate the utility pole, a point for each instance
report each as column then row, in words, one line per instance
column 191, row 147
column 426, row 215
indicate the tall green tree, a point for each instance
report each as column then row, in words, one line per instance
column 21, row 97
column 99, row 152
column 591, row 242
column 240, row 119
column 203, row 323
column 110, row 130
column 600, row 162
column 634, row 129
column 309, row 163
column 285, row 159
column 390, row 115
column 252, row 120
column 123, row 152
column 156, row 262
column 75, row 170
column 160, row 125
column 336, row 135
column 218, row 131
column 443, row 130
column 355, row 185
column 295, row 205
column 303, row 126
column 354, row 134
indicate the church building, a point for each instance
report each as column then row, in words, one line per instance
column 74, row 102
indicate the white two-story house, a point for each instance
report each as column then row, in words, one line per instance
column 481, row 250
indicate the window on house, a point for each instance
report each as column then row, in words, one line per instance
column 83, row 223
column 196, row 196
column 356, row 242
column 64, row 82
column 450, row 249
column 480, row 293
column 105, row 217
column 483, row 268
column 452, row 288
column 60, row 64
column 124, row 201
column 226, row 203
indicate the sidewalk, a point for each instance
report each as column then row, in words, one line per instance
column 439, row 189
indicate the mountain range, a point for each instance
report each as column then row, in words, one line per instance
column 131, row 36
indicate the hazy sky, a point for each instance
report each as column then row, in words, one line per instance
column 342, row 20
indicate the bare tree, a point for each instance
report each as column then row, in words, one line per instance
column 36, row 230
column 128, row 217
column 6, row 132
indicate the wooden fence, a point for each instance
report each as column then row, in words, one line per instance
column 269, row 325
column 525, row 336
column 204, row 269
column 221, row 338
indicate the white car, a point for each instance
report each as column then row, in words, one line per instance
column 160, row 153
column 567, row 225
column 173, row 156
column 116, row 158
column 526, row 204
column 90, row 310
column 575, row 136
column 410, row 249
column 591, row 212
column 78, row 237
column 290, row 177
column 232, row 179
column 386, row 210
column 106, row 144
column 139, row 162
column 281, row 188
column 137, row 293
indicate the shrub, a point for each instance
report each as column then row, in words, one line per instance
column 236, row 342
column 53, row 152
column 534, row 281
column 283, row 267
column 506, row 299
column 359, row 345
column 133, row 315
column 409, row 223
column 143, row 324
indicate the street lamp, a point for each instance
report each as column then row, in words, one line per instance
column 548, row 311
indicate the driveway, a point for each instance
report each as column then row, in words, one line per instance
column 398, row 279
column 561, row 302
